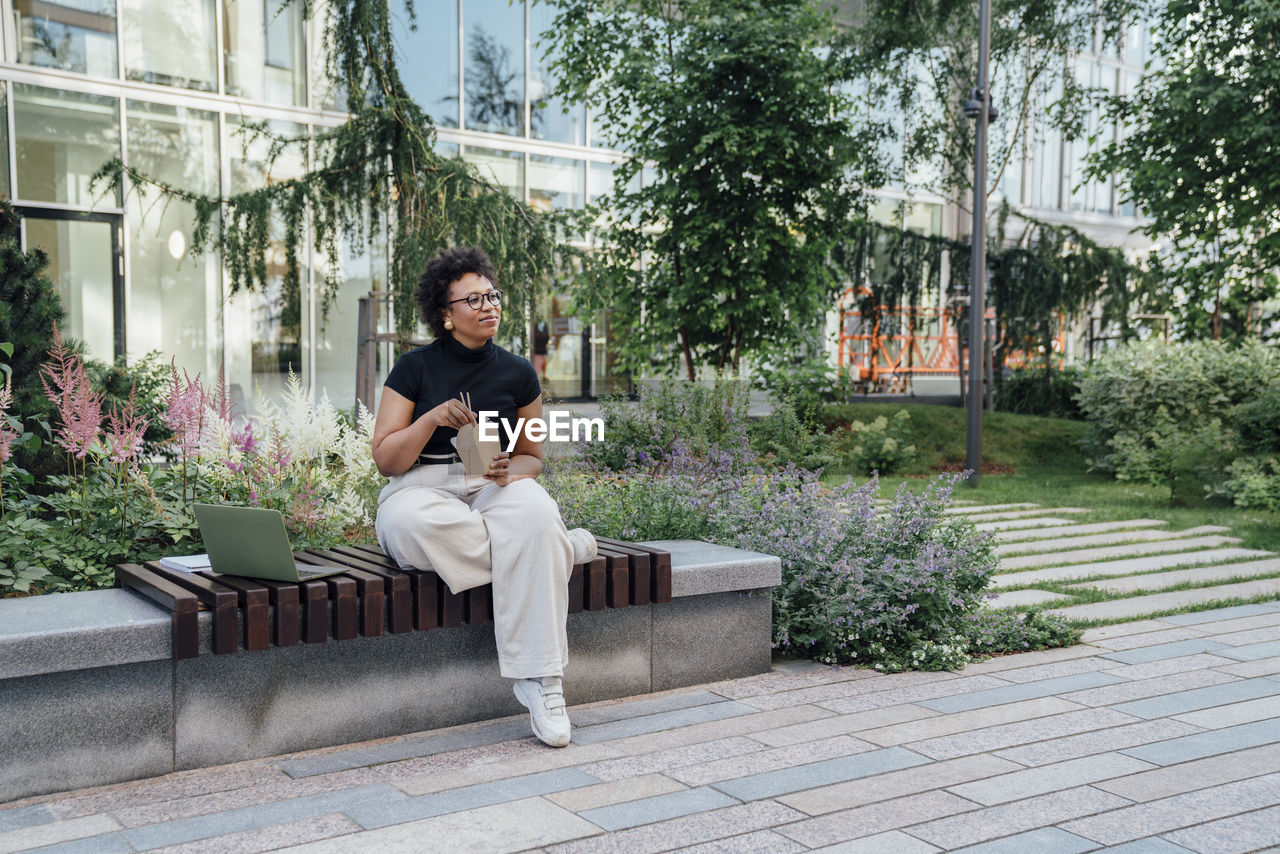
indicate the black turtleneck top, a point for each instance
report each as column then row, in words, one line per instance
column 444, row 369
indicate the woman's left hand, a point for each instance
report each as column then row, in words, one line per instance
column 500, row 469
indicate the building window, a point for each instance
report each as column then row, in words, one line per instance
column 171, row 43
column 71, row 35
column 266, row 336
column 61, row 139
column 265, row 50
column 555, row 182
column 428, row 57
column 175, row 295
column 504, row 168
column 548, row 118
column 494, row 73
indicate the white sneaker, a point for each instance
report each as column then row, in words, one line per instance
column 584, row 545
column 544, row 698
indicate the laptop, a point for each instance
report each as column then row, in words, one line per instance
column 252, row 542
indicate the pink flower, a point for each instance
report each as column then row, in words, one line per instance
column 185, row 409
column 125, row 429
column 243, row 440
column 66, row 383
column 7, row 433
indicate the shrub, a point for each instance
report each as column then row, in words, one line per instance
column 1253, row 482
column 670, row 410
column 881, row 445
column 999, row 630
column 113, row 505
column 702, row 418
column 1024, row 391
column 889, row 586
column 1258, row 421
column 807, row 387
column 1168, row 415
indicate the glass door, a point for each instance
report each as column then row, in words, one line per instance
column 86, row 267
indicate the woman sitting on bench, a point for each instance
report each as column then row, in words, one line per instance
column 500, row 527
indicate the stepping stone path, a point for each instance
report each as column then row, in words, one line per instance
column 1133, row 563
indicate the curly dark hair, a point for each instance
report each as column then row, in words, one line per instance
column 432, row 293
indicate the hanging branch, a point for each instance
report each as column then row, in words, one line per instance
column 380, row 164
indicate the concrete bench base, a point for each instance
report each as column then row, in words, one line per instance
column 90, row 700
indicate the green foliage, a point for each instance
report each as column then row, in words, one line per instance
column 377, row 171
column 891, row 586
column 1012, row 442
column 700, row 416
column 1165, row 415
column 918, row 58
column 1258, row 421
column 1025, row 391
column 753, row 157
column 1253, row 482
column 880, row 446
column 1199, row 160
column 147, row 379
column 29, row 308
column 1050, row 275
column 784, row 438
column 806, row 387
column 1000, row 630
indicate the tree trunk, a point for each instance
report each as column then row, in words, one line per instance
column 688, row 353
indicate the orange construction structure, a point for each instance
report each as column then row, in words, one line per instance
column 885, row 348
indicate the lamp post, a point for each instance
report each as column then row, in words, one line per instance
column 980, row 109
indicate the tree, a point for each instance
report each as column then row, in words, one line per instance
column 1200, row 161
column 738, row 113
column 920, row 57
column 29, row 307
column 378, row 170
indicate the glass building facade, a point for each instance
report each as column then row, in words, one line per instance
column 166, row 85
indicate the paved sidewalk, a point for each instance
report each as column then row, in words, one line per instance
column 1153, row 736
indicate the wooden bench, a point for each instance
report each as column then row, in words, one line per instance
column 373, row 597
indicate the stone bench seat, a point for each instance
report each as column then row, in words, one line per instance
column 90, row 692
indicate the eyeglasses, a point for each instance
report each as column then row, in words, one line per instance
column 476, row 301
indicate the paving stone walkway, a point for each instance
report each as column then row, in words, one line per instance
column 1118, row 570
column 1160, row 735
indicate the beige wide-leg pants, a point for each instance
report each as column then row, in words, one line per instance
column 471, row 531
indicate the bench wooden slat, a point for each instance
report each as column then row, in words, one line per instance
column 221, row 599
column 255, row 601
column 426, row 601
column 480, row 605
column 398, row 585
column 618, row 577
column 597, row 585
column 342, row 595
column 453, row 606
column 371, row 597
column 315, row 611
column 659, row 568
column 640, row 589
column 371, row 602
column 577, row 586
column 181, row 603
column 287, row 624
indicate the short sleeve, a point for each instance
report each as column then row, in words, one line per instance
column 528, row 389
column 405, row 379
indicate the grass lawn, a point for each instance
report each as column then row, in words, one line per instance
column 1049, row 469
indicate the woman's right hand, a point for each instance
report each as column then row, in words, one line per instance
column 451, row 413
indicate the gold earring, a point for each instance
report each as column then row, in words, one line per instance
column 448, row 325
